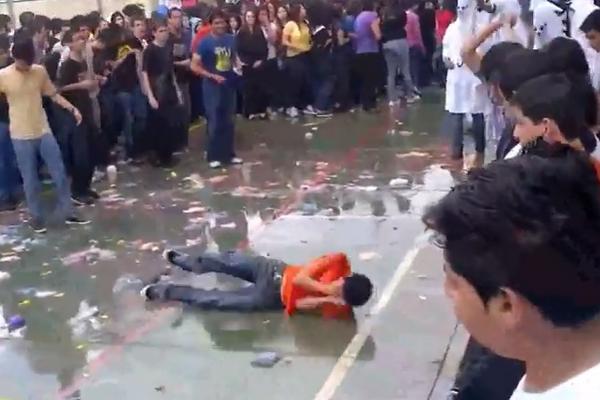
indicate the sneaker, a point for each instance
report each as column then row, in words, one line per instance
column 263, row 116
column 292, row 112
column 98, row 176
column 93, row 194
column 171, row 255
column 309, row 110
column 75, row 220
column 252, row 117
column 413, row 99
column 237, row 161
column 323, row 114
column 37, row 225
column 215, row 164
column 156, row 291
column 82, row 200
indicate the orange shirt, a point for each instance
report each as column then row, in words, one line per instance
column 328, row 268
column 201, row 34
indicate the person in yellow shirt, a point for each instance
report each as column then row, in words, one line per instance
column 297, row 40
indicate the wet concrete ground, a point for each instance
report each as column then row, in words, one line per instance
column 359, row 186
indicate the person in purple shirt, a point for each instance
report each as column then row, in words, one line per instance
column 367, row 34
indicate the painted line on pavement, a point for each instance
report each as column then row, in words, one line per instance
column 349, row 356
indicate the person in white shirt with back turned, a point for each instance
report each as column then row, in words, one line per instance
column 522, row 266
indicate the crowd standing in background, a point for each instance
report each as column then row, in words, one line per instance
column 135, row 84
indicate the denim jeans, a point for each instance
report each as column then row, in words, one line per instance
column 264, row 274
column 397, row 58
column 324, row 80
column 27, row 152
column 134, row 107
column 456, row 121
column 9, row 172
column 219, row 105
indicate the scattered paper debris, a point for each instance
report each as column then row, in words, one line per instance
column 160, row 389
column 369, row 255
column 24, row 303
column 230, row 225
column 423, row 297
column 10, row 259
column 250, row 192
column 90, row 256
column 422, row 277
column 406, row 133
column 4, row 276
column 40, row 294
column 412, row 154
column 218, row 179
column 308, row 135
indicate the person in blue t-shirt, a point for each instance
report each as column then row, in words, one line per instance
column 214, row 61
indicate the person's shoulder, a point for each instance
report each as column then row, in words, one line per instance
column 39, row 70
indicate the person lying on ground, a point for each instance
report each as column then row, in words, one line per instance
column 326, row 285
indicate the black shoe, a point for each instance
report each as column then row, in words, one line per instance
column 153, row 292
column 93, row 194
column 82, row 200
column 38, row 225
column 171, row 255
column 74, row 220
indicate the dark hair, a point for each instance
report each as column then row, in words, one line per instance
column 26, row 19
column 354, row 7
column 93, row 20
column 494, row 58
column 531, row 224
column 135, row 18
column 237, row 17
column 133, row 9
column 159, row 23
column 56, row 25
column 68, row 37
column 4, row 21
column 566, row 55
column 368, row 5
column 172, row 10
column 115, row 15
column 4, row 42
column 531, row 63
column 39, row 23
column 79, row 21
column 24, row 50
column 558, row 103
column 217, row 14
column 591, row 22
column 357, row 290
column 294, row 12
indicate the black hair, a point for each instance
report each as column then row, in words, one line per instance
column 531, row 63
column 591, row 22
column 159, row 23
column 530, row 224
column 56, row 25
column 218, row 14
column 133, row 9
column 93, row 19
column 368, row 5
column 294, row 12
column 566, row 55
column 135, row 18
column 78, row 21
column 68, row 37
column 39, row 23
column 4, row 42
column 172, row 10
column 26, row 19
column 494, row 58
column 357, row 290
column 23, row 49
column 115, row 15
column 237, row 17
column 4, row 21
column 558, row 103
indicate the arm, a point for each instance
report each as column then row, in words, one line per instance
column 286, row 38
column 312, row 303
column 49, row 90
column 183, row 63
column 199, row 69
column 148, row 91
column 376, row 29
column 469, row 54
column 308, row 278
column 138, row 68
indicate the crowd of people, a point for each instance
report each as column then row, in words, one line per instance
column 129, row 87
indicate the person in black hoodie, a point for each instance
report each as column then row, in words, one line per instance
column 252, row 52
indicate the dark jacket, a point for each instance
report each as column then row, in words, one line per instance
column 251, row 46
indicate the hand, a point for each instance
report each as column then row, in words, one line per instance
column 508, row 19
column 218, row 78
column 77, row 116
column 257, row 64
column 153, row 102
column 334, row 289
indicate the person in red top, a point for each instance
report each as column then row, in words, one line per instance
column 326, row 285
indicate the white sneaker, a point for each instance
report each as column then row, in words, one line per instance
column 236, row 161
column 309, row 110
column 413, row 99
column 292, row 112
column 215, row 164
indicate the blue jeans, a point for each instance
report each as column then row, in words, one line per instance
column 27, row 152
column 9, row 173
column 134, row 107
column 265, row 275
column 324, row 80
column 219, row 105
column 458, row 133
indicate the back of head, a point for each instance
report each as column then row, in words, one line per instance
column 133, row 9
column 26, row 19
column 566, row 55
column 23, row 49
column 591, row 22
column 531, row 225
column 357, row 290
column 368, row 5
column 495, row 57
column 519, row 67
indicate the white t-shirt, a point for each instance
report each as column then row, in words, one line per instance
column 585, row 386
